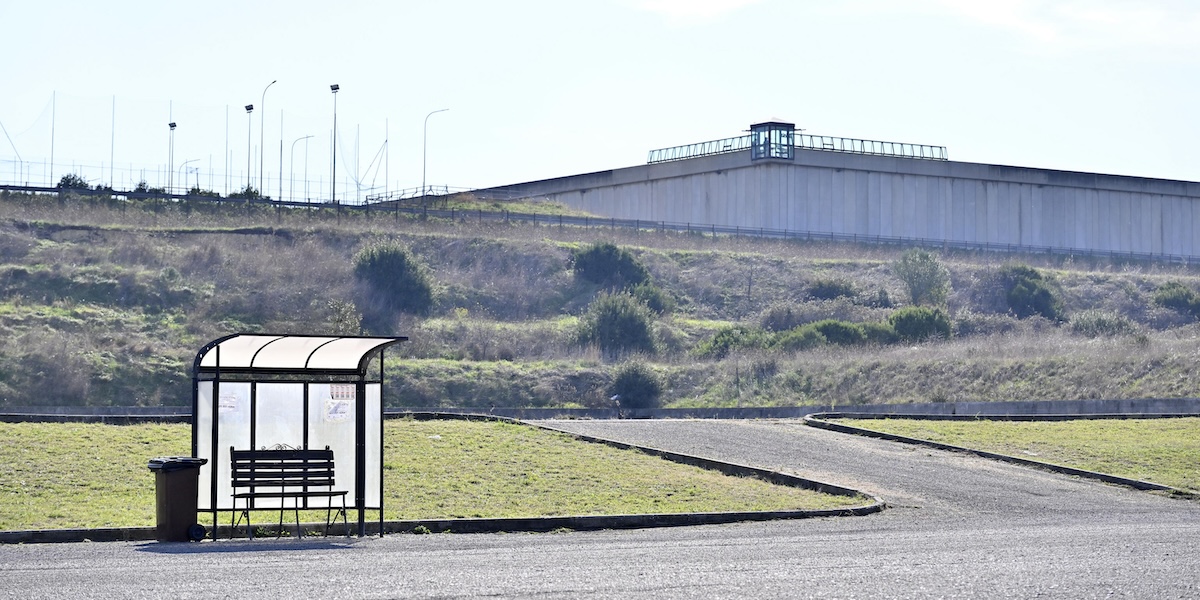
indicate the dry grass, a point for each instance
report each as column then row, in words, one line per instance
column 118, row 287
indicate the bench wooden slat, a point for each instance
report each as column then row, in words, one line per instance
column 256, row 474
column 307, row 494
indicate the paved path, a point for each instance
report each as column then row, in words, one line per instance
column 960, row 526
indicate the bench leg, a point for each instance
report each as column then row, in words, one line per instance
column 296, row 509
column 233, row 525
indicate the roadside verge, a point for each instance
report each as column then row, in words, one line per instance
column 819, row 420
column 531, row 524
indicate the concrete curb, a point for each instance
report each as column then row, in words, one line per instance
column 816, row 420
column 531, row 524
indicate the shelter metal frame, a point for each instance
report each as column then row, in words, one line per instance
column 284, row 360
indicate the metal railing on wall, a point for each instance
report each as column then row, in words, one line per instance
column 805, row 141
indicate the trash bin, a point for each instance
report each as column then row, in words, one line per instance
column 176, row 479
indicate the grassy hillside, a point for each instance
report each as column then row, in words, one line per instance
column 105, row 303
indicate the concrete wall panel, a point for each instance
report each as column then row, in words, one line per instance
column 827, row 192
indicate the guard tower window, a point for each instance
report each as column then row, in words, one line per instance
column 773, row 140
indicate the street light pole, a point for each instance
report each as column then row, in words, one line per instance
column 333, row 180
column 292, row 169
column 262, row 125
column 171, row 158
column 424, row 146
column 185, row 163
column 249, row 126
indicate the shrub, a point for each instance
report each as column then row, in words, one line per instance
column 928, row 282
column 1095, row 323
column 840, row 332
column 879, row 333
column 607, row 265
column 397, row 282
column 636, row 386
column 653, row 297
column 71, row 181
column 799, row 339
column 618, row 324
column 781, row 316
column 880, row 300
column 919, row 323
column 1178, row 296
column 728, row 339
column 830, row 289
column 1028, row 294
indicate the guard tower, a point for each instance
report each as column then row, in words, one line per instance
column 773, row 139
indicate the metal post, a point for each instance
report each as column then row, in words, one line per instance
column 424, row 145
column 292, row 170
column 249, row 125
column 262, row 125
column 333, row 180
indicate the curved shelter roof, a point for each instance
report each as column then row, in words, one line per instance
column 292, row 354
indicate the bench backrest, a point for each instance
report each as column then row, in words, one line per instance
column 281, row 468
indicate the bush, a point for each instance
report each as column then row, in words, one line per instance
column 1095, row 323
column 728, row 339
column 397, row 282
column 618, row 324
column 799, row 339
column 840, row 332
column 928, row 282
column 919, row 323
column 782, row 316
column 653, row 297
column 830, row 289
column 880, row 333
column 636, row 386
column 1028, row 294
column 607, row 265
column 1178, row 296
column 71, row 181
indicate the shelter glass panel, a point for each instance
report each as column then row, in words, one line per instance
column 374, row 393
column 332, row 423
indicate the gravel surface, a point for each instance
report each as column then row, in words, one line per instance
column 958, row 526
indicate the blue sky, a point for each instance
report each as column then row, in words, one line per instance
column 545, row 89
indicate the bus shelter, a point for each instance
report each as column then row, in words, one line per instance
column 261, row 391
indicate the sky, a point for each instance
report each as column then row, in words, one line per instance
column 541, row 89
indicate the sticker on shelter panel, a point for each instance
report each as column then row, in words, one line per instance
column 340, row 405
column 229, row 403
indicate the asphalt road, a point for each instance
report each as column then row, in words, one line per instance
column 958, row 526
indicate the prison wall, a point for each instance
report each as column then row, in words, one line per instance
column 892, row 197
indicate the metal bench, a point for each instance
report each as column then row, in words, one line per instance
column 283, row 474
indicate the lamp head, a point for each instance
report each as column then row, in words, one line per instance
column 172, row 125
column 334, row 88
column 249, row 107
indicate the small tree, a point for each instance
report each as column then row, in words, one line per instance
column 928, row 282
column 618, row 324
column 636, row 386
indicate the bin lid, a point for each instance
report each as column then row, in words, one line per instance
column 175, row 463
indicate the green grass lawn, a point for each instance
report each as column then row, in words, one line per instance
column 59, row 475
column 1165, row 451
